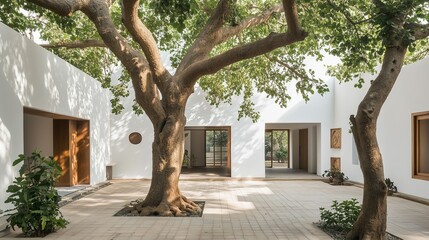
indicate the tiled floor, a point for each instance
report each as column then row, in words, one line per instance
column 233, row 210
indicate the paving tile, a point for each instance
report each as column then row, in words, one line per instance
column 234, row 210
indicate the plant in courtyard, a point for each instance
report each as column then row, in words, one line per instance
column 391, row 188
column 341, row 217
column 335, row 176
column 211, row 42
column 34, row 196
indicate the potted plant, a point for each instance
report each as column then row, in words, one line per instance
column 391, row 188
column 336, row 177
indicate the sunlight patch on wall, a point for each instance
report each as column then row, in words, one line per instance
column 4, row 142
column 50, row 84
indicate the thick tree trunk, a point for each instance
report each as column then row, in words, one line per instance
column 164, row 197
column 371, row 223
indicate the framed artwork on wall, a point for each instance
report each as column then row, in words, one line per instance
column 335, row 163
column 335, row 137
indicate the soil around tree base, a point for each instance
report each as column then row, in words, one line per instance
column 130, row 210
column 339, row 235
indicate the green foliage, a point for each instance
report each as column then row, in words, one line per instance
column 274, row 73
column 34, row 196
column 175, row 25
column 217, row 138
column 281, row 154
column 335, row 176
column 341, row 217
column 358, row 32
column 390, row 186
column 355, row 31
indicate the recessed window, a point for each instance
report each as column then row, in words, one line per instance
column 421, row 145
column 135, row 138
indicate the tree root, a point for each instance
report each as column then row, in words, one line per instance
column 182, row 208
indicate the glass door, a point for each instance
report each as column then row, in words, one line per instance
column 277, row 148
column 216, row 148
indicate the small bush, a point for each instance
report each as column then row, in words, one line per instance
column 335, row 176
column 391, row 188
column 35, row 199
column 341, row 217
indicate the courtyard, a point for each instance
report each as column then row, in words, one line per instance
column 234, row 209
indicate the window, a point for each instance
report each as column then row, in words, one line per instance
column 421, row 145
column 216, row 147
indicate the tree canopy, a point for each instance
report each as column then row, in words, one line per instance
column 352, row 30
column 175, row 25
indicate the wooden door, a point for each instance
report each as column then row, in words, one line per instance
column 303, row 149
column 83, row 152
column 71, row 151
column 61, row 146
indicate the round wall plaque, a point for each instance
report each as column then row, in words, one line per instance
column 135, row 138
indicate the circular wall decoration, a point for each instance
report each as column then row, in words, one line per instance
column 135, row 138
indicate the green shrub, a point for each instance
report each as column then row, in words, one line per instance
column 341, row 217
column 35, row 199
column 335, row 176
column 391, row 188
column 281, row 154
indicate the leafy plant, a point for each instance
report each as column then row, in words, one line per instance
column 341, row 217
column 391, row 188
column 281, row 154
column 335, row 176
column 35, row 199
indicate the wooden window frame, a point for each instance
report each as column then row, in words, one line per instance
column 415, row 119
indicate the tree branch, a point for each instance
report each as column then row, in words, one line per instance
column 147, row 93
column 63, row 8
column 419, row 31
column 228, row 32
column 144, row 38
column 291, row 14
column 286, row 65
column 254, row 49
column 76, row 44
column 273, row 41
column 207, row 38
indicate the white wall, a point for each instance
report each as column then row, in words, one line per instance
column 394, row 129
column 33, row 77
column 38, row 134
column 247, row 138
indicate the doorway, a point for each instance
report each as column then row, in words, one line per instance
column 65, row 138
column 277, row 148
column 208, row 151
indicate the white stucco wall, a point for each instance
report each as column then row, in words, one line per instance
column 33, row 77
column 394, row 129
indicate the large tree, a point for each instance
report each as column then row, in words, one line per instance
column 365, row 34
column 204, row 37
